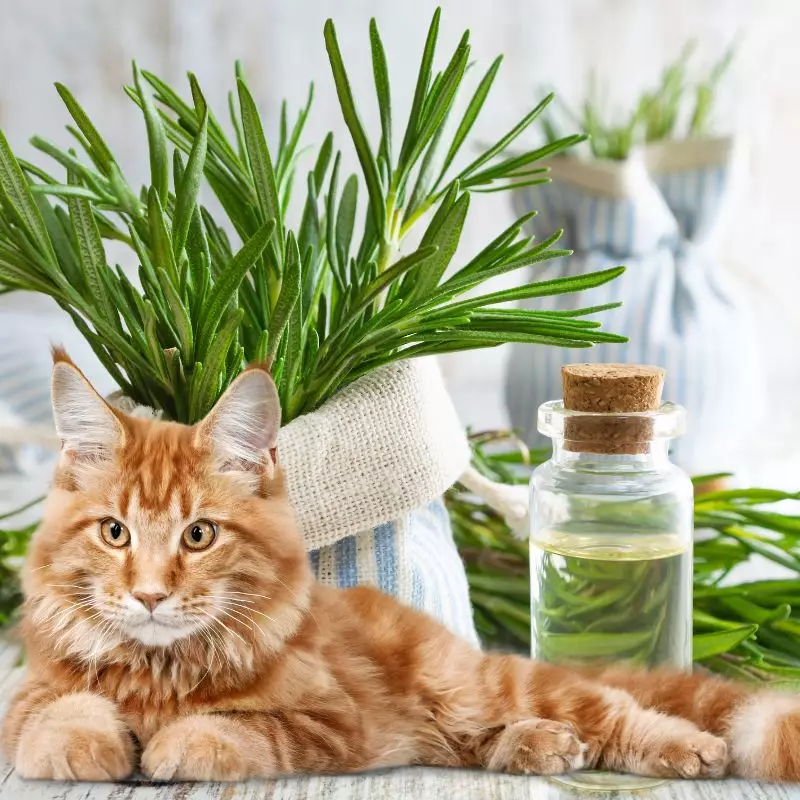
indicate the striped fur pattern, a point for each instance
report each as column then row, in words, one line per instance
column 681, row 308
column 223, row 659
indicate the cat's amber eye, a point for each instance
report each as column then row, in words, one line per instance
column 199, row 535
column 114, row 533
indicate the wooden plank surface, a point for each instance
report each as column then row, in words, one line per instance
column 416, row 783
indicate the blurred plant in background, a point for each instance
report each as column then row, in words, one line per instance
column 678, row 107
column 13, row 545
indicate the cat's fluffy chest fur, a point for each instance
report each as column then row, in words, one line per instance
column 330, row 667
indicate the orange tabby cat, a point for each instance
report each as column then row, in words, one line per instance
column 172, row 624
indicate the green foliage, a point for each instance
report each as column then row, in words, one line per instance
column 656, row 116
column 13, row 545
column 747, row 630
column 325, row 301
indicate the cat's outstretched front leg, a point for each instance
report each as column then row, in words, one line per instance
column 75, row 736
column 240, row 745
column 205, row 747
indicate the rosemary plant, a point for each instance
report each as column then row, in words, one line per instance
column 323, row 302
column 748, row 630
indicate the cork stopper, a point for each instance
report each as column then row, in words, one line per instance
column 613, row 389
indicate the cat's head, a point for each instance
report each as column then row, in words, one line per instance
column 158, row 534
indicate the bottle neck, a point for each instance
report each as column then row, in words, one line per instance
column 655, row 455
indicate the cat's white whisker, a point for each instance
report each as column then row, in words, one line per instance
column 100, row 645
column 221, row 602
column 256, row 611
column 105, row 630
column 234, row 604
column 235, row 599
column 70, row 613
column 74, row 607
column 250, row 622
column 68, row 586
column 238, row 618
column 93, row 666
column 87, row 601
column 227, row 654
column 249, row 594
column 205, row 633
column 219, row 622
column 65, row 614
column 79, row 633
column 297, row 598
column 267, row 616
column 214, row 638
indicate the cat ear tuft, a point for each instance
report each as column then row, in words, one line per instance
column 85, row 423
column 242, row 428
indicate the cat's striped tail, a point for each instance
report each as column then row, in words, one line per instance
column 761, row 728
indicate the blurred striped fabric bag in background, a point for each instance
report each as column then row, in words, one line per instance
column 658, row 213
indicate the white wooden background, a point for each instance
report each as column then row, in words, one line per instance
column 88, row 44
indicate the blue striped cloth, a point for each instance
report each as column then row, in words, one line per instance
column 413, row 558
column 680, row 309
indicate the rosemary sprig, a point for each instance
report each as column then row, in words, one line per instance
column 749, row 630
column 324, row 301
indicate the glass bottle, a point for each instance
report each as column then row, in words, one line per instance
column 611, row 547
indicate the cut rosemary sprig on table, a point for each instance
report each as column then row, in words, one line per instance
column 749, row 630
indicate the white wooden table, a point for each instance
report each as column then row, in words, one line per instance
column 417, row 783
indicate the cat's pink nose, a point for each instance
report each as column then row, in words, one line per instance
column 150, row 599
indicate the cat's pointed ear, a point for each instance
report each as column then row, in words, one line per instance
column 84, row 421
column 242, row 429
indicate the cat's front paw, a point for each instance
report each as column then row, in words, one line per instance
column 697, row 755
column 196, row 748
column 537, row 747
column 78, row 737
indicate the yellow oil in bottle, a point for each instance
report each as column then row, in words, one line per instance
column 594, row 601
